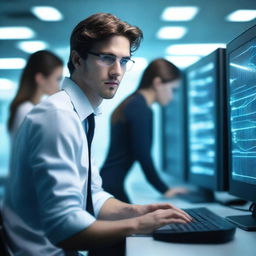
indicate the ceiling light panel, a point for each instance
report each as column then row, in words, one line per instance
column 6, row 84
column 193, row 49
column 47, row 13
column 183, row 61
column 185, row 13
column 242, row 15
column 32, row 46
column 12, row 63
column 16, row 33
column 171, row 32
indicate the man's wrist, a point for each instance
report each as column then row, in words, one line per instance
column 136, row 210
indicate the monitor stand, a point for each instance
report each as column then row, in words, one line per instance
column 201, row 195
column 245, row 222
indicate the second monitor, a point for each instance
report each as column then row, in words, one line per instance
column 207, row 161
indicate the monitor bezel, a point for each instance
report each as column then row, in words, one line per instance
column 218, row 182
column 241, row 189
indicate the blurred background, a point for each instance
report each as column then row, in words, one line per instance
column 183, row 31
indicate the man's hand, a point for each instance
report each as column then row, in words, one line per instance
column 144, row 209
column 163, row 216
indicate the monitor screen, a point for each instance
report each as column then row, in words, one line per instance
column 241, row 98
column 174, row 135
column 242, row 83
column 201, row 111
column 242, row 114
column 206, row 122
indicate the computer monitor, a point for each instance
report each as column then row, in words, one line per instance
column 241, row 98
column 207, row 146
column 174, row 159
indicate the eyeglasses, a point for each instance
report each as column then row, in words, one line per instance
column 108, row 60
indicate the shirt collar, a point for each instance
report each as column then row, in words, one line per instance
column 79, row 100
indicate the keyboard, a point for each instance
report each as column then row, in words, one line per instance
column 206, row 227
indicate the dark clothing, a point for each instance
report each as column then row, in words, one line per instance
column 131, row 140
column 117, row 249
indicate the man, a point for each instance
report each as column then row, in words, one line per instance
column 54, row 203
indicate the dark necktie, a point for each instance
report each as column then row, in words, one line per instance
column 90, row 132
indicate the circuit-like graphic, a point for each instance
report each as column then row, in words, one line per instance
column 242, row 86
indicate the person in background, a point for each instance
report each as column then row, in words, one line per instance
column 41, row 76
column 54, row 202
column 132, row 130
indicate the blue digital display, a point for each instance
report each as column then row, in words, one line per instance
column 201, row 119
column 174, row 135
column 242, row 86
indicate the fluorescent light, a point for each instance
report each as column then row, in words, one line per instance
column 31, row 46
column 47, row 13
column 16, row 33
column 193, row 49
column 179, row 13
column 183, row 61
column 242, row 15
column 12, row 63
column 171, row 32
column 6, row 84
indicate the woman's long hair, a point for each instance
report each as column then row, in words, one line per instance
column 161, row 68
column 43, row 62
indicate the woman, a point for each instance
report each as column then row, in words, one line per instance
column 131, row 130
column 42, row 75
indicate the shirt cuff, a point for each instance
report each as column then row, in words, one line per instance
column 73, row 224
column 99, row 199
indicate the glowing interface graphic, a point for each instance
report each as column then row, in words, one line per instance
column 242, row 86
column 201, row 89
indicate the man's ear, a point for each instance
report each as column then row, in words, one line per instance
column 76, row 59
column 156, row 82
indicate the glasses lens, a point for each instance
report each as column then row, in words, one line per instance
column 129, row 65
column 108, row 60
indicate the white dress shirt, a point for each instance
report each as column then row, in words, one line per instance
column 45, row 199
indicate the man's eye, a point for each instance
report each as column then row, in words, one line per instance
column 124, row 61
column 108, row 58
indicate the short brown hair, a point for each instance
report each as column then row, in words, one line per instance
column 99, row 27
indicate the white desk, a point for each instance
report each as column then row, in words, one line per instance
column 244, row 243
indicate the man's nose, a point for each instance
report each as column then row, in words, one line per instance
column 116, row 69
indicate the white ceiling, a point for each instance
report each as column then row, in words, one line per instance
column 209, row 26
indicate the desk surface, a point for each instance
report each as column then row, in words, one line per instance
column 244, row 242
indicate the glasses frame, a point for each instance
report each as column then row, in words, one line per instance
column 123, row 66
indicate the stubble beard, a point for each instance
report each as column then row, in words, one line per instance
column 109, row 94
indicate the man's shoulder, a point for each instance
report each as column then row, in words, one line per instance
column 53, row 109
column 57, row 102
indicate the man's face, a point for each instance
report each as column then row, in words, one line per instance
column 100, row 81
